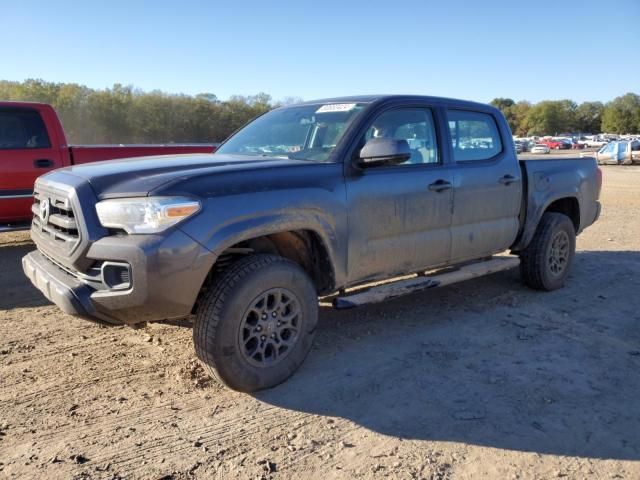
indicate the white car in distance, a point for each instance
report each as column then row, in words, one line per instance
column 540, row 148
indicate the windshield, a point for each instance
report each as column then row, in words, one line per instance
column 305, row 132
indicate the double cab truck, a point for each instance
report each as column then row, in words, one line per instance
column 32, row 142
column 617, row 152
column 319, row 199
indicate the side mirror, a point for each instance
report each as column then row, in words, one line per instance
column 384, row 151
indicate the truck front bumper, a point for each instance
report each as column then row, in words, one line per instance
column 166, row 274
column 58, row 287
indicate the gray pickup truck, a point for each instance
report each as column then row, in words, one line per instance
column 319, row 199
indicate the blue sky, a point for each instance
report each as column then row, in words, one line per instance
column 583, row 50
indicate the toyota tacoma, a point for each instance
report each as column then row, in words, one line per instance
column 319, row 199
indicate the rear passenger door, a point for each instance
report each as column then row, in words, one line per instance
column 487, row 186
column 26, row 152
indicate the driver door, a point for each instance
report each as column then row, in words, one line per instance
column 400, row 215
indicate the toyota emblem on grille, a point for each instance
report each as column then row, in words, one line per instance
column 44, row 210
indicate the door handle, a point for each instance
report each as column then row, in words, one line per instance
column 439, row 186
column 43, row 163
column 507, row 179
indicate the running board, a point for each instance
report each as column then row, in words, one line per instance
column 415, row 284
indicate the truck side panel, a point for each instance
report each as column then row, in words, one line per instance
column 550, row 180
column 296, row 199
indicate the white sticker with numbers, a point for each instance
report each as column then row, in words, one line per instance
column 336, row 107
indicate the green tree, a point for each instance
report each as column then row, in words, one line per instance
column 209, row 97
column 551, row 117
column 108, row 110
column 71, row 105
column 588, row 117
column 35, row 90
column 122, row 114
column 520, row 112
column 506, row 106
column 622, row 115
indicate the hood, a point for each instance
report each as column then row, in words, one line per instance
column 139, row 176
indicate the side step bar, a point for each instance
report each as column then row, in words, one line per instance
column 438, row 279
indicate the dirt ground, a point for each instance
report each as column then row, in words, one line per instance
column 484, row 379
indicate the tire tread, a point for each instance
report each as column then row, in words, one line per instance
column 208, row 315
column 533, row 258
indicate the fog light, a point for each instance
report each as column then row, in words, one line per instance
column 116, row 276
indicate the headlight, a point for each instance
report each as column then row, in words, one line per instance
column 145, row 214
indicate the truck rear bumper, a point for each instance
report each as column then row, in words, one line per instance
column 166, row 274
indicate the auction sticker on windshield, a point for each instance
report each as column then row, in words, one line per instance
column 336, row 107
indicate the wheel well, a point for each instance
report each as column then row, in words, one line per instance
column 303, row 247
column 568, row 206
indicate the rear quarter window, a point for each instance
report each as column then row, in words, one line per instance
column 22, row 129
column 474, row 135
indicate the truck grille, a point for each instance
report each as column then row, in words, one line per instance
column 55, row 223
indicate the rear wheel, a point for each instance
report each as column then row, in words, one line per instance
column 545, row 263
column 255, row 327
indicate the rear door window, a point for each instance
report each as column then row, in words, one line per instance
column 474, row 135
column 22, row 129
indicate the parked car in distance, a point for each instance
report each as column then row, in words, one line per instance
column 596, row 142
column 575, row 145
column 317, row 199
column 519, row 147
column 617, row 153
column 33, row 142
column 540, row 148
column 555, row 144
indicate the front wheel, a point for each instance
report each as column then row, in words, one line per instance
column 255, row 326
column 545, row 263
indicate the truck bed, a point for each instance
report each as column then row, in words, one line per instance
column 546, row 179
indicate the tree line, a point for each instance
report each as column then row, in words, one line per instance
column 123, row 114
column 551, row 117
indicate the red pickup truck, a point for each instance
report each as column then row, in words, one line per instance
column 555, row 143
column 32, row 142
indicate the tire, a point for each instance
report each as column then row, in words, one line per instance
column 545, row 263
column 241, row 347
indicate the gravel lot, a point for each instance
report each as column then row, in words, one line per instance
column 484, row 379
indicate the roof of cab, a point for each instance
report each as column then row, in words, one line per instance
column 380, row 98
column 23, row 102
